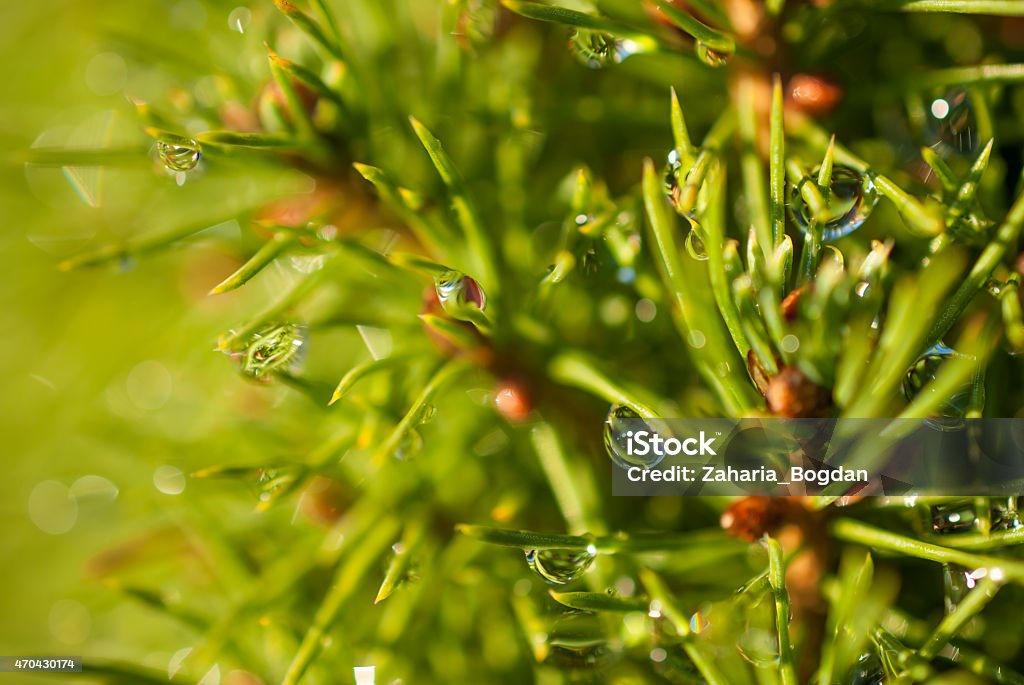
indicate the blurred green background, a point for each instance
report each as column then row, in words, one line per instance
column 112, row 392
column 104, row 383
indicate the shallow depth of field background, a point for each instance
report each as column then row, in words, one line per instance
column 103, row 383
column 110, row 391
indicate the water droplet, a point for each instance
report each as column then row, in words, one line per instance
column 271, row 480
column 658, row 655
column 618, row 431
column 1005, row 514
column 410, row 445
column 851, row 198
column 957, row 581
column 580, row 640
column 169, row 480
column 456, row 290
column 274, row 348
column 179, row 156
column 711, row 57
column 758, row 647
column 950, row 414
column 994, row 287
column 427, row 413
column 560, row 566
column 239, row 19
column 956, row 517
column 698, row 623
column 695, row 243
column 951, row 123
column 597, row 50
column 673, row 184
column 868, row 671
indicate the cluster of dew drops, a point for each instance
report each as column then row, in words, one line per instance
column 970, row 517
column 949, row 128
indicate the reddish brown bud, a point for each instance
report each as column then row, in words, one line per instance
column 749, row 518
column 814, row 95
column 512, row 400
column 789, row 304
column 323, row 501
column 792, row 394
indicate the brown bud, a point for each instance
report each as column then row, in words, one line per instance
column 323, row 501
column 792, row 394
column 789, row 304
column 812, row 94
column 751, row 517
column 512, row 400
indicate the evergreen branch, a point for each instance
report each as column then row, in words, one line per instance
column 367, row 368
column 716, row 40
column 714, row 224
column 311, row 28
column 1009, row 8
column 428, row 233
column 598, row 601
column 777, row 579
column 574, row 488
column 577, row 370
column 665, row 603
column 680, row 133
column 137, row 247
column 481, row 252
column 692, row 304
column 924, row 219
column 1005, row 238
column 254, row 141
column 568, row 17
column 301, row 118
column 972, row 605
column 870, row 536
column 956, row 374
column 856, row 583
column 326, row 16
column 271, row 250
column 397, row 570
column 755, row 189
column 619, row 543
column 355, row 565
column 905, row 334
column 444, row 375
column 453, row 332
column 776, row 166
column 309, row 78
column 237, row 337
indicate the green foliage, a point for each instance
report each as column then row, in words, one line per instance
column 564, row 245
